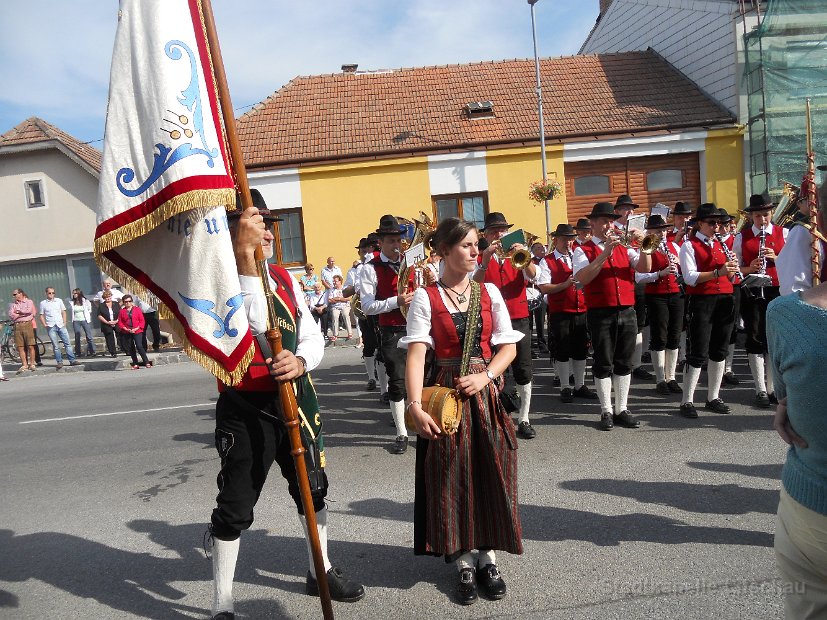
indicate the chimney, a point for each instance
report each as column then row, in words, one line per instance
column 349, row 68
column 604, row 6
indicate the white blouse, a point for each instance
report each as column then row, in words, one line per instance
column 419, row 318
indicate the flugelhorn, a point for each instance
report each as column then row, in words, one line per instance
column 521, row 258
column 650, row 243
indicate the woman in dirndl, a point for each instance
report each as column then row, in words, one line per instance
column 466, row 482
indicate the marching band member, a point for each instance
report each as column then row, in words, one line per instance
column 606, row 269
column 512, row 284
column 757, row 247
column 707, row 269
column 729, row 228
column 680, row 218
column 794, row 264
column 567, row 324
column 664, row 305
column 379, row 294
column 583, row 230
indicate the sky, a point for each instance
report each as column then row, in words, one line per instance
column 55, row 55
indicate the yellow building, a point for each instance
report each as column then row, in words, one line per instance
column 332, row 153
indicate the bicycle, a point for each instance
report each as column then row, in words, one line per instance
column 8, row 349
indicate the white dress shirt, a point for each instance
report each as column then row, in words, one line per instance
column 419, row 319
column 794, row 263
column 310, row 343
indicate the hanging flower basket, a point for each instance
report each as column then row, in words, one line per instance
column 543, row 190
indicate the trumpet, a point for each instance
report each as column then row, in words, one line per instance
column 521, row 258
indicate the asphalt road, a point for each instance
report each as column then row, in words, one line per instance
column 109, row 480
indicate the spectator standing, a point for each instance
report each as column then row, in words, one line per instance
column 338, row 306
column 82, row 321
column 107, row 286
column 108, row 312
column 131, row 323
column 22, row 312
column 308, row 280
column 796, row 328
column 53, row 318
column 328, row 271
column 151, row 319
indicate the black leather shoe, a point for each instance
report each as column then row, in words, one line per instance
column 526, row 431
column 688, row 411
column 773, row 398
column 729, row 378
column 762, row 400
column 400, row 446
column 467, row 587
column 674, row 387
column 567, row 395
column 371, row 386
column 585, row 392
column 605, row 423
column 556, row 382
column 718, row 406
column 385, row 398
column 491, row 582
column 663, row 388
column 641, row 373
column 646, row 357
column 626, row 419
column 224, row 615
column 341, row 588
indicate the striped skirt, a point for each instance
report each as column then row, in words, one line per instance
column 466, row 483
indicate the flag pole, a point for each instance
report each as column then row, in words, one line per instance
column 287, row 395
column 812, row 200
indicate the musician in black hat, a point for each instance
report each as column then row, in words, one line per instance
column 250, row 435
column 512, row 283
column 707, row 271
column 606, row 268
column 680, row 217
column 664, row 305
column 568, row 327
column 379, row 292
column 757, row 246
column 583, row 230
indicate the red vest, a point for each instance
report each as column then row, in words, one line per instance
column 257, row 378
column 447, row 344
column 663, row 285
column 512, row 285
column 614, row 284
column 709, row 259
column 749, row 248
column 569, row 300
column 386, row 288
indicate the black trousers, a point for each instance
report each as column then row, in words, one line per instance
column 710, row 326
column 613, row 332
column 152, row 323
column 640, row 306
column 537, row 320
column 521, row 366
column 754, row 311
column 135, row 347
column 736, row 312
column 570, row 332
column 248, row 445
column 109, row 337
column 394, row 359
column 665, row 314
column 370, row 338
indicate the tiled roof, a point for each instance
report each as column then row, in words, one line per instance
column 329, row 117
column 35, row 129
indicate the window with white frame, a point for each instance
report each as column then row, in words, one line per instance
column 34, row 195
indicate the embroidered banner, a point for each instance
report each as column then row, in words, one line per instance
column 166, row 182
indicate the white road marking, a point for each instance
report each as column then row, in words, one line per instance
column 99, row 415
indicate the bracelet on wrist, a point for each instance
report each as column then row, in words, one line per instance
column 303, row 363
column 411, row 403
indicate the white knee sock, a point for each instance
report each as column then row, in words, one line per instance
column 224, row 556
column 563, row 371
column 383, row 377
column 659, row 364
column 466, row 560
column 604, row 393
column 714, row 374
column 398, row 413
column 621, row 385
column 770, row 382
column 690, row 382
column 729, row 356
column 321, row 528
column 756, row 367
column 638, row 351
column 486, row 558
column 579, row 368
column 670, row 364
column 525, row 399
column 370, row 367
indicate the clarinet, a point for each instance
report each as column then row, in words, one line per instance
column 762, row 269
column 673, row 261
column 738, row 278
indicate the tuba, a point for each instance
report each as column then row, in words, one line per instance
column 422, row 226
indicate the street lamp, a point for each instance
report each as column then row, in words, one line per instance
column 539, row 90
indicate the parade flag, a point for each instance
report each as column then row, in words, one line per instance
column 166, row 182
